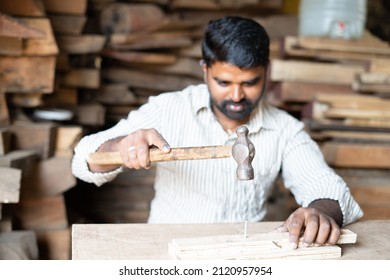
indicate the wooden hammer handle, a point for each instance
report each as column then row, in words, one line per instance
column 156, row 155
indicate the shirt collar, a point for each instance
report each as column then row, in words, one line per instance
column 262, row 116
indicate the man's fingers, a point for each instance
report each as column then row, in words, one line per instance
column 156, row 139
column 295, row 227
column 334, row 234
column 311, row 230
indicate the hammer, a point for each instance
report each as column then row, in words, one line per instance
column 243, row 152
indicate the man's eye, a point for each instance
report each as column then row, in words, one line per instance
column 223, row 84
column 250, row 84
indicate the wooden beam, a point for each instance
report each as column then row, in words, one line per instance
column 9, row 184
column 83, row 78
column 44, row 213
column 116, row 94
column 27, row 74
column 314, row 72
column 34, row 136
column 24, row 160
column 23, row 100
column 144, row 79
column 125, row 18
column 140, row 57
column 90, row 114
column 304, row 92
column 256, row 246
column 18, row 245
column 5, row 138
column 81, row 44
column 54, row 244
column 357, row 155
column 26, row 8
column 77, row 7
column 368, row 44
column 183, row 66
column 43, row 181
column 41, row 46
column 61, row 97
column 11, row 27
column 4, row 113
column 11, row 46
column 68, row 24
column 66, row 139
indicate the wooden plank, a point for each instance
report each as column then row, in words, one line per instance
column 24, row 160
column 27, row 74
column 351, row 136
column 256, row 246
column 90, row 114
column 314, row 72
column 292, row 47
column 39, row 137
column 23, row 100
column 223, row 4
column 131, row 40
column 380, row 65
column 44, row 180
column 41, row 46
column 183, row 66
column 18, row 245
column 81, row 44
column 54, row 244
column 5, row 137
column 9, row 184
column 125, row 18
column 10, row 46
column 68, row 24
column 152, row 41
column 81, row 77
column 4, row 113
column 149, row 241
column 61, row 97
column 356, row 155
column 11, row 27
column 368, row 44
column 77, row 7
column 45, row 213
column 304, row 92
column 66, row 139
column 140, row 57
column 143, row 79
column 118, row 94
column 26, row 8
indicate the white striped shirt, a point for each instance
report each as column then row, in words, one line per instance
column 207, row 191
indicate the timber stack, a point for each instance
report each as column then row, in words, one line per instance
column 340, row 88
column 35, row 153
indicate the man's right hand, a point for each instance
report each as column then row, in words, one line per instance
column 133, row 148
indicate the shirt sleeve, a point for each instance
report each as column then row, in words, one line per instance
column 309, row 178
column 147, row 116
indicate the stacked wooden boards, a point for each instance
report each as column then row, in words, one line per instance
column 339, row 88
column 257, row 246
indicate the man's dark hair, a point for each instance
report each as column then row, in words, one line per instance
column 235, row 40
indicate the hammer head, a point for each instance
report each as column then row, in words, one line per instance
column 243, row 152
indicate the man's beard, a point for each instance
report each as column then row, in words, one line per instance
column 247, row 107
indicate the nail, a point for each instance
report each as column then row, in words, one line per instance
column 166, row 147
column 245, row 229
column 293, row 245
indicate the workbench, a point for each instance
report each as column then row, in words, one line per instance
column 150, row 241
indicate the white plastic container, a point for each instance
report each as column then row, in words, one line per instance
column 332, row 18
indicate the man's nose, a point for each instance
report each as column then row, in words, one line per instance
column 237, row 93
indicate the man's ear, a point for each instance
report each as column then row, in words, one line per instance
column 204, row 69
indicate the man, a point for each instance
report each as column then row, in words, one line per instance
column 235, row 59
